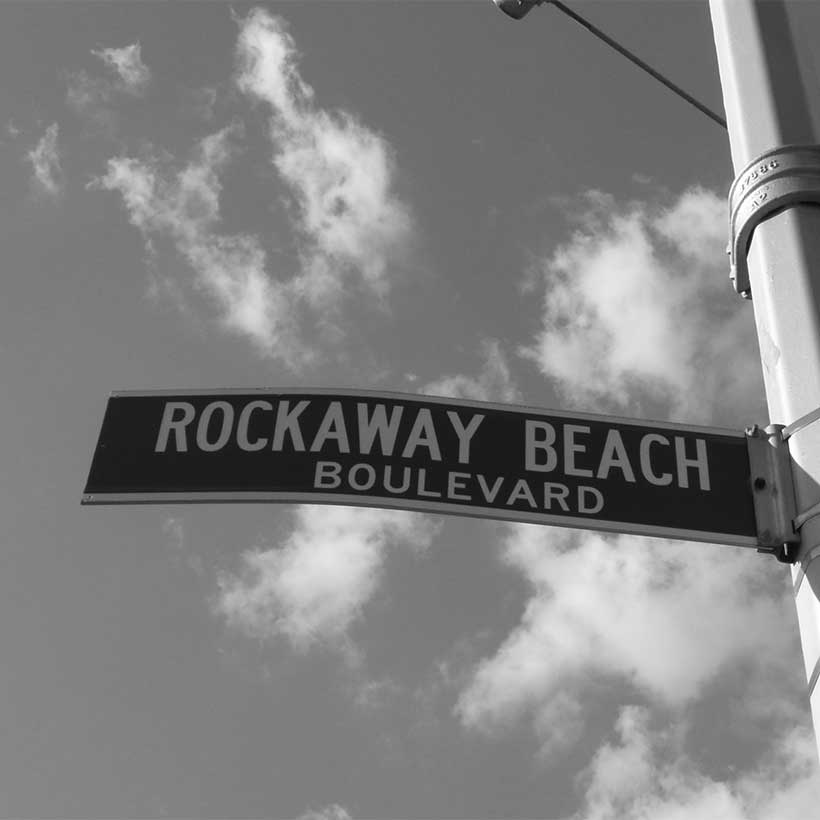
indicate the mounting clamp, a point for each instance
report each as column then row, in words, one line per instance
column 785, row 176
column 773, row 492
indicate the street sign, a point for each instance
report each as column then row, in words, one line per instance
column 424, row 453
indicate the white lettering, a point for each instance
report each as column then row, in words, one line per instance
column 178, row 425
column 377, row 425
column 288, row 422
column 545, row 442
column 615, row 455
column 204, row 422
column 489, row 494
column 423, row 434
column 405, row 480
column 598, row 497
column 555, row 492
column 521, row 491
column 699, row 461
column 421, row 489
column 327, row 471
column 369, row 471
column 571, row 448
column 464, row 434
column 332, row 427
column 455, row 481
column 244, row 422
column 649, row 474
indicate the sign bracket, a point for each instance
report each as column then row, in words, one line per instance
column 773, row 492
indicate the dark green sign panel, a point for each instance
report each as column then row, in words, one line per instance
column 427, row 454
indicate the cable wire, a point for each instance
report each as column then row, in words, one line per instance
column 638, row 62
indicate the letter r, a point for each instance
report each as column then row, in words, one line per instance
column 170, row 421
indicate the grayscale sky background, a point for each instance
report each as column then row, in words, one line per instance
column 408, row 196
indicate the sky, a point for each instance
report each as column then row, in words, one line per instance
column 421, row 197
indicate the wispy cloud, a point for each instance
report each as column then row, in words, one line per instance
column 332, row 812
column 313, row 587
column 637, row 310
column 229, row 269
column 637, row 305
column 647, row 775
column 48, row 175
column 133, row 75
column 94, row 97
column 86, row 91
column 494, row 382
column 346, row 219
column 637, row 610
column 340, row 172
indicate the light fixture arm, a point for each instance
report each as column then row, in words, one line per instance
column 638, row 62
column 518, row 8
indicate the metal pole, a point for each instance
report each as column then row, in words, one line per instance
column 766, row 108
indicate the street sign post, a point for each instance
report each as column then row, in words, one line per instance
column 427, row 454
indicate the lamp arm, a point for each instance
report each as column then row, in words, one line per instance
column 637, row 61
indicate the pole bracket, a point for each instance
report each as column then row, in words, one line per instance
column 777, row 179
column 773, row 492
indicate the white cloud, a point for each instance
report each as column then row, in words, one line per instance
column 638, row 304
column 494, row 383
column 348, row 220
column 340, row 172
column 332, row 812
column 92, row 96
column 230, row 270
column 636, row 610
column 312, row 588
column 133, row 74
column 638, row 310
column 647, row 775
column 45, row 163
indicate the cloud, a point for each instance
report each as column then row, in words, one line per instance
column 229, row 270
column 637, row 311
column 494, row 383
column 86, row 92
column 312, row 588
column 133, row 75
column 647, row 775
column 93, row 96
column 45, row 162
column 332, row 812
column 638, row 304
column 638, row 611
column 347, row 220
column 341, row 174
